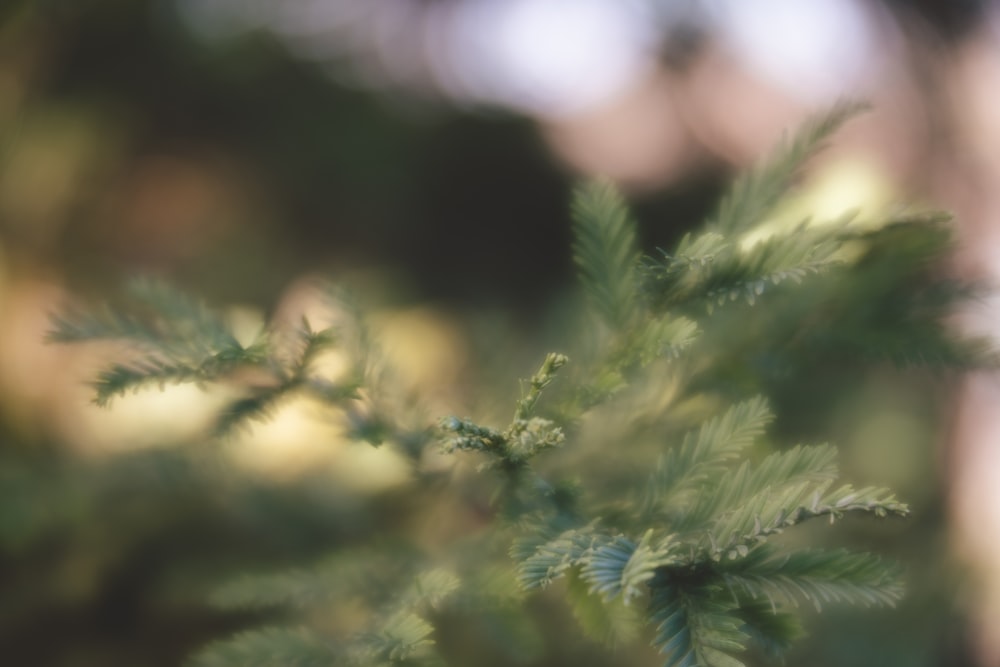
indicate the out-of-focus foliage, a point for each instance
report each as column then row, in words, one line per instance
column 233, row 168
column 638, row 485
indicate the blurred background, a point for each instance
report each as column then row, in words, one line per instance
column 423, row 150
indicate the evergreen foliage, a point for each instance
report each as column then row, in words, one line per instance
column 755, row 193
column 175, row 339
column 605, row 252
column 686, row 551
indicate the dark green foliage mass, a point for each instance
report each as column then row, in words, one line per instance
column 636, row 475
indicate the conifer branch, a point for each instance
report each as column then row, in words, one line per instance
column 799, row 470
column 611, row 622
column 696, row 626
column 526, row 404
column 360, row 572
column 605, row 252
column 523, row 439
column 684, row 468
column 755, row 193
column 818, row 577
column 620, row 567
column 770, row 512
column 154, row 316
column 665, row 338
column 769, row 628
column 712, row 271
column 405, row 637
column 268, row 647
column 552, row 559
column 695, row 540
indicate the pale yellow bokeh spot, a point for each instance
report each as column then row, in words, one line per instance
column 151, row 417
column 851, row 186
column 425, row 350
column 297, row 441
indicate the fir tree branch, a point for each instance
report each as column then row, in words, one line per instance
column 712, row 271
column 523, row 439
column 686, row 467
column 770, row 629
column 268, row 647
column 405, row 637
column 620, row 567
column 693, row 542
column 667, row 337
column 611, row 622
column 770, row 512
column 800, row 470
column 119, row 379
column 605, row 252
column 815, row 576
column 526, row 404
column 755, row 193
column 361, row 572
column 696, row 626
column 553, row 558
column 154, row 316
